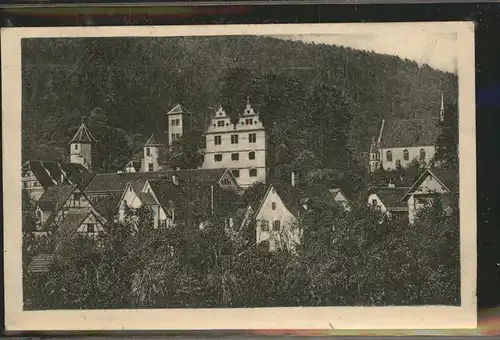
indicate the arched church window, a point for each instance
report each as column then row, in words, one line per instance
column 406, row 155
column 389, row 155
column 422, row 154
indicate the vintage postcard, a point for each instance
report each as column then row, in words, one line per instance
column 240, row 177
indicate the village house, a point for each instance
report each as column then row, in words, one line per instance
column 37, row 176
column 66, row 210
column 388, row 200
column 403, row 141
column 436, row 182
column 105, row 184
column 282, row 207
column 240, row 146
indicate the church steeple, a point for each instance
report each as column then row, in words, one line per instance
column 82, row 147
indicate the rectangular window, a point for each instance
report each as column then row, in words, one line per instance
column 235, row 156
column 90, row 228
column 220, row 123
column 273, row 205
column 248, row 121
column 150, row 167
column 398, row 162
column 148, row 152
column 217, row 140
column 252, row 137
column 252, row 172
column 276, row 225
column 76, row 146
column 236, row 173
column 218, row 157
column 234, row 139
column 251, row 155
column 374, row 202
column 176, row 122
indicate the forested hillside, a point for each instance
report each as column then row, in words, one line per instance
column 128, row 85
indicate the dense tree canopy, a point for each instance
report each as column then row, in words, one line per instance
column 294, row 85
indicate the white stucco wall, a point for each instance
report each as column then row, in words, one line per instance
column 221, row 127
column 398, row 154
column 266, row 215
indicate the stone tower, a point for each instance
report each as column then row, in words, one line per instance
column 83, row 148
column 152, row 151
column 178, row 122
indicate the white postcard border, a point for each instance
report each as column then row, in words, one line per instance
column 429, row 317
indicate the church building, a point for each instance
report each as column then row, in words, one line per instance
column 403, row 141
column 239, row 146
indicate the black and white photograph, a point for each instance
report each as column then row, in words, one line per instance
column 241, row 168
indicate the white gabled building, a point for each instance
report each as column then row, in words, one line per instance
column 240, row 147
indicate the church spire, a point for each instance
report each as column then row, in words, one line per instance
column 441, row 111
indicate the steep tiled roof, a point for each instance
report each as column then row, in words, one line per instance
column 41, row 263
column 182, row 194
column 72, row 221
column 391, row 197
column 410, row 132
column 295, row 197
column 448, row 178
column 55, row 196
column 83, row 135
column 146, row 198
column 108, row 205
column 109, row 182
column 153, row 140
column 178, row 109
column 49, row 173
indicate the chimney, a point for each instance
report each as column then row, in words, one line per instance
column 175, row 180
column 391, row 184
column 294, row 178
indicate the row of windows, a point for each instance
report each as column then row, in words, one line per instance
column 406, row 155
column 252, row 138
column 234, row 156
column 276, row 225
column 251, row 173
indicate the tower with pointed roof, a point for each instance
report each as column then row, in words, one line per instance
column 151, row 159
column 240, row 146
column 178, row 122
column 82, row 148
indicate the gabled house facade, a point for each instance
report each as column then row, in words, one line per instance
column 432, row 183
column 282, row 208
column 340, row 198
column 63, row 206
column 388, row 200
